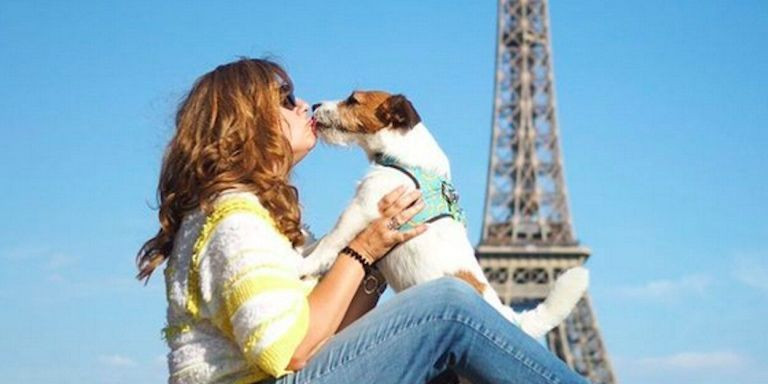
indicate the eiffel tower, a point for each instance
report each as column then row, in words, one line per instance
column 528, row 238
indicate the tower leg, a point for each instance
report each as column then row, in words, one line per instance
column 578, row 343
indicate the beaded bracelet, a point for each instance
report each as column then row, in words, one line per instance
column 373, row 282
column 355, row 255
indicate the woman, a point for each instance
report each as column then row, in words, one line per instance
column 238, row 311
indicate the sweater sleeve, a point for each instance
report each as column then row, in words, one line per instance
column 250, row 285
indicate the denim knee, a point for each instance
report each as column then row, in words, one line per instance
column 453, row 285
column 452, row 292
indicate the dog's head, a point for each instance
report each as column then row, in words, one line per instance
column 363, row 116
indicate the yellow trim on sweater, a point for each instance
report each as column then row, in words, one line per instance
column 220, row 212
column 224, row 312
column 275, row 357
column 248, row 288
column 273, row 269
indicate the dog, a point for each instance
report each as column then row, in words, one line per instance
column 398, row 144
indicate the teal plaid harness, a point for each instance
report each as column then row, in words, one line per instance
column 440, row 197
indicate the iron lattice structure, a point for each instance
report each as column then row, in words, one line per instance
column 528, row 238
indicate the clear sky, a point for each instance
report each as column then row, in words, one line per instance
column 662, row 107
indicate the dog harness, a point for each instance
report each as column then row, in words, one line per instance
column 440, row 197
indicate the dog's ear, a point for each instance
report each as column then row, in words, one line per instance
column 398, row 112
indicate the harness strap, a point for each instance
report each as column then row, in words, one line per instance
column 447, row 203
column 403, row 170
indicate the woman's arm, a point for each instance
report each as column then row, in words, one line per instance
column 330, row 300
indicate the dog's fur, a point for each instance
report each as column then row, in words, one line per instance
column 382, row 123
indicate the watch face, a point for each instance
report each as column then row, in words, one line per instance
column 371, row 284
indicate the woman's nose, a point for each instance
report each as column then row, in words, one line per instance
column 315, row 106
column 303, row 105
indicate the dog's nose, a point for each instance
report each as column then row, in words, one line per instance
column 315, row 106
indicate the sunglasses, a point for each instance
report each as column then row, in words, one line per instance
column 288, row 100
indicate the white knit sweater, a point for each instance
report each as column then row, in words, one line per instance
column 237, row 309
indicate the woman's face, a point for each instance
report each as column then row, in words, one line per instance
column 298, row 128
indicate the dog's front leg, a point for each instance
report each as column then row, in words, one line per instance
column 354, row 219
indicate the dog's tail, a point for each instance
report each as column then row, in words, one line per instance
column 567, row 291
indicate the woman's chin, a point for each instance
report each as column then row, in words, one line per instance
column 299, row 156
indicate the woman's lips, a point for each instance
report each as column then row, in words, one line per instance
column 313, row 125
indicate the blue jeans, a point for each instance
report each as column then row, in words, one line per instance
column 425, row 330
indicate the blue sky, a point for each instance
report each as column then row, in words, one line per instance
column 662, row 107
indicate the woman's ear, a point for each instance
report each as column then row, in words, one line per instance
column 398, row 112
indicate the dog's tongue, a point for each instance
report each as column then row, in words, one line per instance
column 313, row 124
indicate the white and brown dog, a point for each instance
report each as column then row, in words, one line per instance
column 388, row 127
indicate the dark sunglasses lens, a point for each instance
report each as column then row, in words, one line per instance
column 289, row 101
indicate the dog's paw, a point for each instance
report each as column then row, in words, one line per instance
column 317, row 263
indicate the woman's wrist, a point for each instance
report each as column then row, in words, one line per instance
column 373, row 280
column 362, row 250
column 363, row 261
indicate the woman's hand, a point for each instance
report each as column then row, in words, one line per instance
column 396, row 208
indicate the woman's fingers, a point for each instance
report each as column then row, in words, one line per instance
column 410, row 212
column 403, row 202
column 390, row 198
column 407, row 235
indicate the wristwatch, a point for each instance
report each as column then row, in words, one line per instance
column 374, row 282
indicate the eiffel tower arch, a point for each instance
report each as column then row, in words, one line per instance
column 528, row 238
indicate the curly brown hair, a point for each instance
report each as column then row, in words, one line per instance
column 228, row 136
